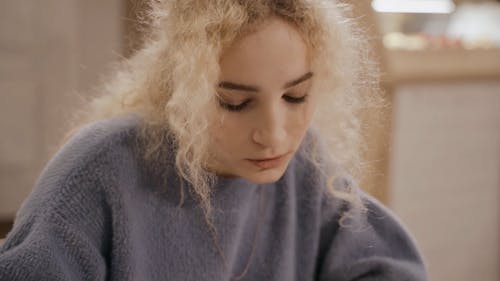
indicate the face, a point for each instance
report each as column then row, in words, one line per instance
column 264, row 103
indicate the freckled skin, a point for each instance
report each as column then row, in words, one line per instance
column 269, row 125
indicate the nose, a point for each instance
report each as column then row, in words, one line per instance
column 269, row 131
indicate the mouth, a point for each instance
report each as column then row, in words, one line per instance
column 271, row 162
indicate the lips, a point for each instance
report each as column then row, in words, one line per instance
column 268, row 163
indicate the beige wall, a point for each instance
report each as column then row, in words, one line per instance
column 51, row 52
column 445, row 175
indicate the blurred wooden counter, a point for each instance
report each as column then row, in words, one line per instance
column 454, row 64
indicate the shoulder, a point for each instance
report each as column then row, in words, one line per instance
column 371, row 243
column 100, row 136
column 102, row 139
column 85, row 165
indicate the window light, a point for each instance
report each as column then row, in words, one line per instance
column 414, row 6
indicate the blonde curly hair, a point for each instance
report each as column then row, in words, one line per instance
column 170, row 81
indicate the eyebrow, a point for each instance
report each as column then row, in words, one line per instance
column 249, row 88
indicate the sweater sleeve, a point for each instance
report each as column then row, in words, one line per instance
column 63, row 229
column 56, row 240
column 367, row 246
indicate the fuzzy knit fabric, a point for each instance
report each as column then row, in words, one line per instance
column 97, row 213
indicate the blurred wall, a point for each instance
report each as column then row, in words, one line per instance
column 51, row 53
column 445, row 174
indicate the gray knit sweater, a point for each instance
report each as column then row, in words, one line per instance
column 98, row 213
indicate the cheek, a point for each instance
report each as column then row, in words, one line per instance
column 229, row 133
column 300, row 119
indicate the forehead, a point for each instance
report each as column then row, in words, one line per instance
column 275, row 49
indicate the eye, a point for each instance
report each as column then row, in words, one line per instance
column 292, row 99
column 233, row 107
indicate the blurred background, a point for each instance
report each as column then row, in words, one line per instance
column 433, row 157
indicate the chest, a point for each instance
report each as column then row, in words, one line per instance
column 268, row 238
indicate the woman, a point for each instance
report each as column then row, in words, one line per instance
column 211, row 161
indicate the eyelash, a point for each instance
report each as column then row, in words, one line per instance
column 232, row 107
column 241, row 106
column 295, row 100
